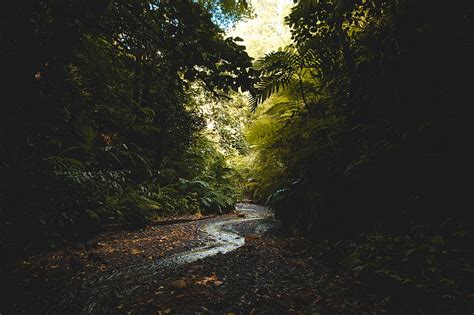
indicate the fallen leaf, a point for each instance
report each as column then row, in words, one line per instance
column 249, row 238
column 206, row 280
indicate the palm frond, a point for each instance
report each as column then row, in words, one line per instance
column 277, row 71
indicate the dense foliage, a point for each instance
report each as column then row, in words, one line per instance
column 374, row 128
column 363, row 132
column 100, row 121
column 121, row 111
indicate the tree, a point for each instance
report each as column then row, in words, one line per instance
column 373, row 113
column 98, row 101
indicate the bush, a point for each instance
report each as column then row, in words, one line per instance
column 418, row 268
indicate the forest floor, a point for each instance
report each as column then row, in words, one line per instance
column 117, row 273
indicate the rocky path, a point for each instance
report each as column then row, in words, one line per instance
column 231, row 264
column 215, row 236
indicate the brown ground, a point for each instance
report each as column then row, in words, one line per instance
column 269, row 275
column 266, row 276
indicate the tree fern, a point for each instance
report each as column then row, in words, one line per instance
column 280, row 69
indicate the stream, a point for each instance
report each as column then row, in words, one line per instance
column 221, row 235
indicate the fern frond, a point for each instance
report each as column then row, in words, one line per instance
column 283, row 110
column 278, row 70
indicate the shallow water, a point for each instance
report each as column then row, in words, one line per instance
column 222, row 236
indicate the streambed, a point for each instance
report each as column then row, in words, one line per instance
column 219, row 235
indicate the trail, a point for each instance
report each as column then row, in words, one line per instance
column 133, row 272
column 221, row 236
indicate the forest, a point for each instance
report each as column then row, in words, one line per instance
column 155, row 159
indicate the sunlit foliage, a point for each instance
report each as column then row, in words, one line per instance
column 101, row 125
column 372, row 129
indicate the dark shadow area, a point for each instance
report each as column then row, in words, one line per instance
column 358, row 137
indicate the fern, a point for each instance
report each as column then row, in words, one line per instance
column 280, row 69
